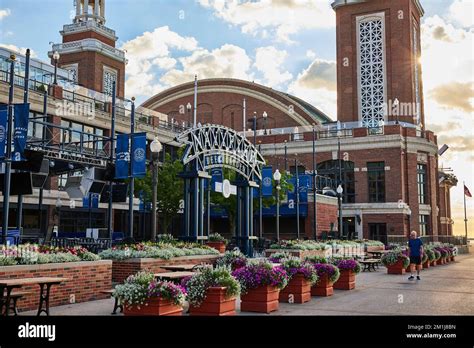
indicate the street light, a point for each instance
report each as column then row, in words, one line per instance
column 265, row 115
column 58, row 209
column 339, row 191
column 277, row 178
column 56, row 57
column 189, row 107
column 155, row 148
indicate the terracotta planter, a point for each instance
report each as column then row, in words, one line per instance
column 433, row 263
column 396, row 268
column 426, row 264
column 219, row 246
column 324, row 287
column 155, row 306
column 263, row 299
column 346, row 281
column 215, row 303
column 442, row 261
column 452, row 258
column 298, row 289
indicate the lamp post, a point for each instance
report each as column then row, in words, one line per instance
column 155, row 149
column 189, row 107
column 58, row 209
column 265, row 115
column 286, row 157
column 339, row 191
column 277, row 178
column 56, row 57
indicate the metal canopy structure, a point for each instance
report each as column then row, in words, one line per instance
column 215, row 146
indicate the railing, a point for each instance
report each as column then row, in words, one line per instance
column 402, row 240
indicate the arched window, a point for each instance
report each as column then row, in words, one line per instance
column 331, row 169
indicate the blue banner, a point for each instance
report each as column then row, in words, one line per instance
column 267, row 182
column 305, row 184
column 3, row 128
column 94, row 201
column 122, row 157
column 139, row 155
column 20, row 131
column 217, row 176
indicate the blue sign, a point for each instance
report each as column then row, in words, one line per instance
column 94, row 201
column 267, row 184
column 20, row 131
column 139, row 155
column 3, row 128
column 122, row 156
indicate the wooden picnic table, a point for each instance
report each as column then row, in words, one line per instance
column 174, row 275
column 45, row 284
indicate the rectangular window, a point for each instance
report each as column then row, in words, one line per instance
column 424, row 224
column 421, row 181
column 376, row 181
column 109, row 76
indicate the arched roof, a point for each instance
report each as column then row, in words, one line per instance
column 304, row 112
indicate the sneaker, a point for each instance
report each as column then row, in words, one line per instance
column 411, row 277
column 418, row 278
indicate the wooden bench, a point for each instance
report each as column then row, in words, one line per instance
column 116, row 303
column 14, row 297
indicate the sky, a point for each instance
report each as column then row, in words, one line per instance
column 289, row 45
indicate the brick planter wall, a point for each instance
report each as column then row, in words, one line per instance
column 121, row 269
column 87, row 279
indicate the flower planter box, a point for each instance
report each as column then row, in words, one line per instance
column 219, row 246
column 324, row 287
column 300, row 253
column 298, row 290
column 121, row 269
column 426, row 264
column 433, row 263
column 370, row 248
column 452, row 258
column 262, row 300
column 215, row 303
column 396, row 268
column 155, row 306
column 442, row 261
column 87, row 280
column 346, row 281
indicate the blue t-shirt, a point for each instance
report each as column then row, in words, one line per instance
column 415, row 245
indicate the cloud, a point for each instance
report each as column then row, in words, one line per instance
column 20, row 50
column 226, row 61
column 455, row 95
column 4, row 12
column 269, row 61
column 149, row 51
column 461, row 11
column 280, row 18
column 317, row 85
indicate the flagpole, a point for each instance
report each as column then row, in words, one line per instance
column 465, row 214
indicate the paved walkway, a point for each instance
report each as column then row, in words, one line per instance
column 442, row 290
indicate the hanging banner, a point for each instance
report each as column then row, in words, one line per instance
column 267, row 182
column 20, row 130
column 3, row 128
column 122, row 156
column 139, row 155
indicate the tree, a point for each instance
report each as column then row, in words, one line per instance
column 169, row 189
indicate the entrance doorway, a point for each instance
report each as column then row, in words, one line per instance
column 348, row 227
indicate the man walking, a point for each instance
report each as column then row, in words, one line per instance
column 415, row 251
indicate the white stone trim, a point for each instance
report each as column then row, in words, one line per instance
column 93, row 45
column 359, row 20
column 424, row 209
column 108, row 70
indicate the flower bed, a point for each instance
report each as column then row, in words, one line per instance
column 212, row 292
column 31, row 254
column 395, row 261
column 217, row 242
column 260, row 283
column 86, row 281
column 348, row 269
column 302, row 277
column 141, row 294
column 233, row 259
